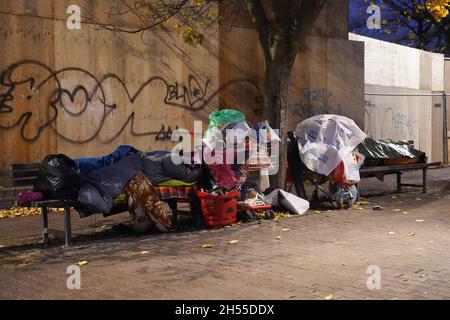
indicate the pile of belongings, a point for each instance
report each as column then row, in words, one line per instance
column 249, row 144
column 227, row 125
column 254, row 204
column 327, row 146
column 233, row 176
column 268, row 138
column 92, row 185
column 140, row 180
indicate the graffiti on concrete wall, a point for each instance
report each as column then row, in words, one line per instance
column 404, row 122
column 74, row 96
column 382, row 121
column 314, row 102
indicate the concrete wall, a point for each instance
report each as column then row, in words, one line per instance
column 447, row 90
column 447, row 75
column 392, row 65
column 395, row 71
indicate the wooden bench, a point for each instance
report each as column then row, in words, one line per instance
column 25, row 174
column 367, row 172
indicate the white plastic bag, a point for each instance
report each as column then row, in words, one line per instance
column 351, row 168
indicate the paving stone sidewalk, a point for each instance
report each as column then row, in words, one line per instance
column 321, row 256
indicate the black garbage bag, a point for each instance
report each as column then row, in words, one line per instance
column 58, row 177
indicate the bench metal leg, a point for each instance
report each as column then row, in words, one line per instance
column 196, row 209
column 44, row 224
column 399, row 182
column 424, row 181
column 67, row 226
column 174, row 207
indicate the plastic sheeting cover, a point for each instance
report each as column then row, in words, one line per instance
column 225, row 116
column 325, row 140
column 379, row 149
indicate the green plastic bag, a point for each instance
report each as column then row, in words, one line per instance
column 223, row 117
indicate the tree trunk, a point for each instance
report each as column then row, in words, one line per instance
column 281, row 39
column 277, row 79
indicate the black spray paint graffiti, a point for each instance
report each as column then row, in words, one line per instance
column 80, row 96
column 314, row 102
column 387, row 120
column 165, row 134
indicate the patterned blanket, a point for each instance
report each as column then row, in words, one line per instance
column 171, row 192
column 167, row 193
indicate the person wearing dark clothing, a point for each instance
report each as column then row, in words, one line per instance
column 100, row 187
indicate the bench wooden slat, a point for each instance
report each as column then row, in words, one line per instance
column 25, row 166
column 23, row 182
column 25, row 173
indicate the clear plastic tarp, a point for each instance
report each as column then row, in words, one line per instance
column 324, row 141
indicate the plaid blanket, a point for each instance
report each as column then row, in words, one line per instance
column 166, row 193
column 171, row 192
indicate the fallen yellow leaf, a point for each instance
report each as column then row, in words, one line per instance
column 285, row 229
column 329, row 297
column 420, row 220
column 145, row 252
column 411, row 234
column 278, row 238
column 418, row 199
column 391, row 233
column 316, row 212
column 26, row 261
column 82, row 263
column 405, row 212
column 234, row 241
column 207, row 246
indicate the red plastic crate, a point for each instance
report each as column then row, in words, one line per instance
column 219, row 211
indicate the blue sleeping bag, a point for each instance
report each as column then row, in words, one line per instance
column 88, row 165
column 100, row 188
